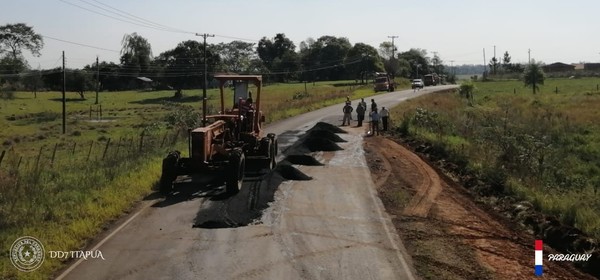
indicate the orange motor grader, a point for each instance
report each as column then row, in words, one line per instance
column 227, row 143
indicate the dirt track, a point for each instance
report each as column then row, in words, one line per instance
column 447, row 234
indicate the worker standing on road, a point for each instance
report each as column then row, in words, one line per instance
column 385, row 114
column 360, row 113
column 374, row 122
column 348, row 102
column 373, row 105
column 363, row 103
column 347, row 113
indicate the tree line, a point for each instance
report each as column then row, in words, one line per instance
column 278, row 59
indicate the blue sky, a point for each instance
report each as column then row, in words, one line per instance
column 458, row 31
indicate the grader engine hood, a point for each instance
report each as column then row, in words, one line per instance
column 206, row 140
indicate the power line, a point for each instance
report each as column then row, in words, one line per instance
column 79, row 44
column 142, row 19
column 115, row 18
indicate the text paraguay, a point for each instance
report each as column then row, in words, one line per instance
column 569, row 257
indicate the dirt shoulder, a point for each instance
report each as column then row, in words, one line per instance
column 448, row 235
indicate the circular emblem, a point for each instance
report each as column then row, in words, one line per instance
column 27, row 253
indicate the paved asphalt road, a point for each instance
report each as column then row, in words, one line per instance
column 331, row 227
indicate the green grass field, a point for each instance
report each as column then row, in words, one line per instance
column 547, row 145
column 99, row 168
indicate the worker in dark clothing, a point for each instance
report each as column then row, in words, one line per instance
column 373, row 105
column 360, row 113
column 385, row 114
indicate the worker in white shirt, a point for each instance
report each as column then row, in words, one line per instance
column 385, row 114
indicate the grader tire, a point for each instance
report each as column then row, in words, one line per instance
column 235, row 173
column 169, row 172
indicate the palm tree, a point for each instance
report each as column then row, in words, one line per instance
column 534, row 76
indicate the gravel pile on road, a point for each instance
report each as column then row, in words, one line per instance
column 289, row 172
column 325, row 134
column 303, row 160
column 328, row 127
column 315, row 144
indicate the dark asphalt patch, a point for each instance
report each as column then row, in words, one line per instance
column 246, row 207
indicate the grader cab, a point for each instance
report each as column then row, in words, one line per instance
column 229, row 142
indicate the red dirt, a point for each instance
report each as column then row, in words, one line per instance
column 448, row 235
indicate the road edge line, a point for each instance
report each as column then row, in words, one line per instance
column 78, row 262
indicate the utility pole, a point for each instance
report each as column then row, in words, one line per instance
column 484, row 62
column 529, row 55
column 393, row 48
column 495, row 60
column 64, row 99
column 205, row 79
column 97, row 79
column 435, row 65
column 452, row 67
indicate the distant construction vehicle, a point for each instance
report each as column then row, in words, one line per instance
column 383, row 82
column 232, row 141
column 431, row 79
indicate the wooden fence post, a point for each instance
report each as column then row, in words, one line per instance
column 20, row 160
column 53, row 155
column 142, row 140
column 106, row 148
column 118, row 146
column 73, row 150
column 2, row 157
column 161, row 143
column 90, row 151
column 37, row 161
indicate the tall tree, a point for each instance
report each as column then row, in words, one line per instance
column 494, row 63
column 370, row 61
column 437, row 64
column 506, row 65
column 16, row 37
column 136, row 55
column 333, row 52
column 279, row 56
column 534, row 76
column 386, row 50
column 236, row 56
column 418, row 61
column 184, row 65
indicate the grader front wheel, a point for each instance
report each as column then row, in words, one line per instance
column 235, row 173
column 169, row 172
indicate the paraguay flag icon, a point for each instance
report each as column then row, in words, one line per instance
column 539, row 255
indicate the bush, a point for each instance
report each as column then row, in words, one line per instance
column 404, row 127
column 7, row 94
